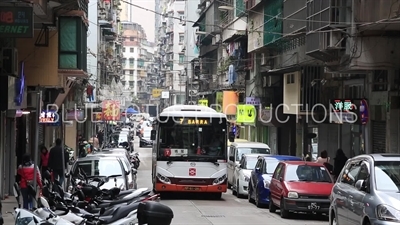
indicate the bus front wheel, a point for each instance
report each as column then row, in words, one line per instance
column 217, row 195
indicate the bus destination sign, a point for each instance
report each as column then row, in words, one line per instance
column 193, row 121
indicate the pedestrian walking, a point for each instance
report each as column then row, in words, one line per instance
column 56, row 163
column 25, row 175
column 339, row 162
column 44, row 158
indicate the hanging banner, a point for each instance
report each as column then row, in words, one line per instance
column 111, row 110
column 246, row 114
column 203, row 102
column 230, row 100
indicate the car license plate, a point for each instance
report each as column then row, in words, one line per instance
column 313, row 206
column 192, row 188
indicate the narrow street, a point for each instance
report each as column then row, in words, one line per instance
column 194, row 210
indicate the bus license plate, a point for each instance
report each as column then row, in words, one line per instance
column 192, row 188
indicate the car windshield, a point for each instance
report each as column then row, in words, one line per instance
column 250, row 163
column 101, row 167
column 248, row 150
column 387, row 176
column 271, row 166
column 193, row 138
column 307, row 173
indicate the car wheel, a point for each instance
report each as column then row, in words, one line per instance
column 284, row 212
column 250, row 192
column 237, row 190
column 272, row 207
column 257, row 200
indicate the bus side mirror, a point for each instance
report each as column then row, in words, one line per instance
column 153, row 135
column 231, row 136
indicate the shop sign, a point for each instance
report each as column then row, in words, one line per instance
column 76, row 115
column 20, row 86
column 97, row 117
column 16, row 22
column 349, row 111
column 245, row 114
column 253, row 101
column 111, row 110
column 203, row 102
column 48, row 117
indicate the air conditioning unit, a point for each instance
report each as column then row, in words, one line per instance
column 9, row 61
column 264, row 60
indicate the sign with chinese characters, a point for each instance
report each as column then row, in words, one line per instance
column 203, row 102
column 111, row 110
column 48, row 117
column 349, row 111
column 194, row 121
column 245, row 114
column 16, row 22
column 156, row 93
column 253, row 101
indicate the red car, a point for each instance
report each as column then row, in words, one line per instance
column 300, row 186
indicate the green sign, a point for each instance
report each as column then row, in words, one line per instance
column 245, row 114
column 16, row 22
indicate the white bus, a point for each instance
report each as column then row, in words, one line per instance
column 190, row 150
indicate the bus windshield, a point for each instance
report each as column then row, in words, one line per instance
column 199, row 139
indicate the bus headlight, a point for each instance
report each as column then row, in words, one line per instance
column 163, row 179
column 219, row 180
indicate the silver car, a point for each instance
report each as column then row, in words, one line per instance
column 367, row 191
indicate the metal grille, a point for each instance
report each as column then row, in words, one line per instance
column 41, row 133
column 378, row 136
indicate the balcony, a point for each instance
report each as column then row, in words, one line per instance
column 326, row 15
column 382, row 11
column 208, row 18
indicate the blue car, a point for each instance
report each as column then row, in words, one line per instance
column 260, row 178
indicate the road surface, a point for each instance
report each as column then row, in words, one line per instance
column 194, row 210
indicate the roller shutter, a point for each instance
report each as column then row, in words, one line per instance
column 378, row 136
column 41, row 133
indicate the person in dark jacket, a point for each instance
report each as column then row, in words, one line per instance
column 340, row 161
column 26, row 173
column 56, row 161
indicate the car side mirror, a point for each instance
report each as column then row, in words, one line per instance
column 153, row 135
column 231, row 136
column 280, row 179
column 360, row 185
column 127, row 172
column 258, row 170
column 231, row 158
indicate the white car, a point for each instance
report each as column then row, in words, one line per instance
column 242, row 174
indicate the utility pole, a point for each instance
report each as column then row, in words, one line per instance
column 36, row 149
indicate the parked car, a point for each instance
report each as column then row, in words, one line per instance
column 145, row 139
column 126, row 163
column 300, row 186
column 237, row 150
column 103, row 166
column 261, row 176
column 367, row 191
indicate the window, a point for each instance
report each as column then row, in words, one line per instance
column 132, row 50
column 380, row 80
column 181, row 58
column 126, row 72
column 181, row 38
column 350, row 173
column 271, row 166
column 131, row 72
column 131, row 38
column 123, row 62
column 102, row 167
column 131, row 61
column 250, row 163
column 244, row 151
column 387, row 176
column 258, row 164
column 131, row 83
column 290, row 78
column 181, row 16
column 278, row 171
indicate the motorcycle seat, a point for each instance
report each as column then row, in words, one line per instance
column 119, row 213
column 128, row 198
